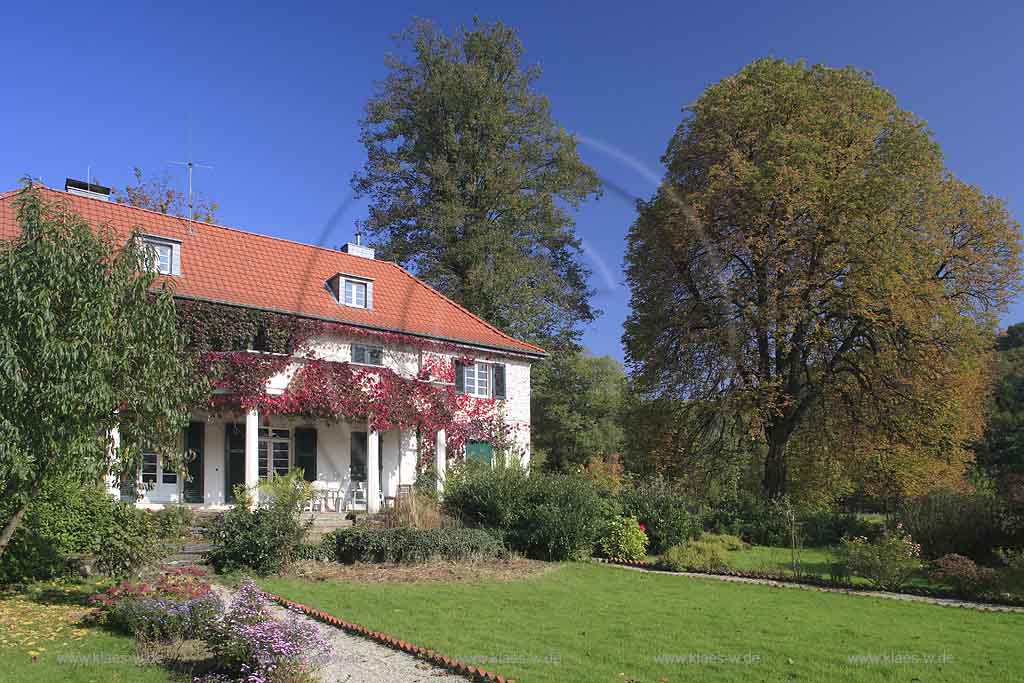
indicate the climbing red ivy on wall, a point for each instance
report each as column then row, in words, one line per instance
column 240, row 350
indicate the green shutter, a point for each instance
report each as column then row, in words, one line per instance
column 479, row 451
column 193, row 486
column 460, row 378
column 305, row 452
column 499, row 380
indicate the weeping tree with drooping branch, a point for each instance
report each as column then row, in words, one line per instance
column 808, row 248
column 86, row 345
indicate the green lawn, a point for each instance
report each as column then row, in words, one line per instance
column 44, row 623
column 592, row 623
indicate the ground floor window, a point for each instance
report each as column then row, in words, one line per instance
column 152, row 473
column 275, row 447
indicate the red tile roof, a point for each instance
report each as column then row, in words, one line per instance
column 232, row 266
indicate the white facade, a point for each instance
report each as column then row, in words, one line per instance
column 390, row 457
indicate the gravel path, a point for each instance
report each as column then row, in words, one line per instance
column 358, row 660
column 945, row 602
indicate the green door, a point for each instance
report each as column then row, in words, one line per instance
column 305, row 452
column 193, row 487
column 480, row 451
column 234, row 459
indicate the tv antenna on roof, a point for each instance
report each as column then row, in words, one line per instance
column 190, row 166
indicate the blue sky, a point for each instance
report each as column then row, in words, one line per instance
column 274, row 95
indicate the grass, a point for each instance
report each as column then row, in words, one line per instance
column 42, row 639
column 596, row 623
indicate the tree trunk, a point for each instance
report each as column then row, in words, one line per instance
column 11, row 527
column 774, row 482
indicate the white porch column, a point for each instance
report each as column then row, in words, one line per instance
column 441, row 455
column 252, row 445
column 372, row 470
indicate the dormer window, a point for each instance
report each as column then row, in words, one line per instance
column 352, row 290
column 355, row 293
column 166, row 254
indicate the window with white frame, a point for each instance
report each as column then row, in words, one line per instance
column 477, row 379
column 150, row 467
column 274, row 452
column 355, row 293
column 367, row 355
column 166, row 255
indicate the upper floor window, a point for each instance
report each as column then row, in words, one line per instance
column 166, row 255
column 485, row 380
column 355, row 293
column 367, row 355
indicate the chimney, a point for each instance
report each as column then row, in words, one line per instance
column 358, row 249
column 84, row 189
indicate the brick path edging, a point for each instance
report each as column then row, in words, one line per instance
column 436, row 658
column 778, row 583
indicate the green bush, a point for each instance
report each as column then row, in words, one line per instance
column 409, row 545
column 68, row 520
column 132, row 541
column 726, row 541
column 266, row 538
column 948, row 523
column 696, row 556
column 828, row 527
column 623, row 538
column 547, row 516
column 668, row 516
column 487, row 497
column 887, row 563
column 173, row 521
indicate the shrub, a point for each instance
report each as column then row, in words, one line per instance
column 727, row 541
column 948, row 523
column 964, row 575
column 487, row 497
column 130, row 542
column 173, row 521
column 548, row 516
column 668, row 516
column 887, row 563
column 624, row 538
column 264, row 539
column 696, row 556
column 828, row 527
column 406, row 544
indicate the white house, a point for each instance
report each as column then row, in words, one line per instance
column 369, row 317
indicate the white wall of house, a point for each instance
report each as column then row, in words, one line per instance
column 398, row 450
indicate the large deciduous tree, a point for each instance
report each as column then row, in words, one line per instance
column 808, row 248
column 576, row 416
column 85, row 346
column 470, row 182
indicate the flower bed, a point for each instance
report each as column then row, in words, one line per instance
column 247, row 644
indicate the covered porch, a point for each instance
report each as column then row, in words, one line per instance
column 351, row 465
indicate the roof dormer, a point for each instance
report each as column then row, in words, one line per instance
column 354, row 291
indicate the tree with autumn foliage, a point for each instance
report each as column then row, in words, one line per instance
column 808, row 250
column 159, row 194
